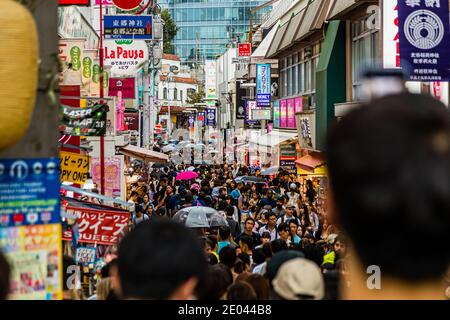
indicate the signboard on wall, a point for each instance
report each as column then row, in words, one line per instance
column 263, row 85
column 131, row 27
column 125, row 57
column 244, row 49
column 74, row 167
column 424, row 32
column 124, row 85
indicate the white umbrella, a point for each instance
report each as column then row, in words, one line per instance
column 168, row 148
column 190, row 169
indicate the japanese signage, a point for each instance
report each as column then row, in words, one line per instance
column 35, row 256
column 263, row 85
column 87, row 68
column 425, row 39
column 244, row 49
column 210, row 69
column 132, row 120
column 104, row 2
column 125, row 57
column 283, row 113
column 391, row 47
column 306, row 129
column 85, row 256
column 125, row 85
column 211, row 117
column 99, row 226
column 90, row 121
column 128, row 27
column 74, row 167
column 29, row 192
column 288, row 164
column 249, row 123
column 113, row 174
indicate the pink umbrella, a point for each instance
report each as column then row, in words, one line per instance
column 187, row 175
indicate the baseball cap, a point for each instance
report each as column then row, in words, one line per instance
column 278, row 259
column 299, row 279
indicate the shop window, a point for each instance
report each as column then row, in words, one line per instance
column 165, row 94
column 365, row 53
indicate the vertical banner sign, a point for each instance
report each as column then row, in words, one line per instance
column 88, row 63
column 263, row 85
column 191, row 121
column 210, row 68
column 249, row 122
column 211, row 117
column 276, row 113
column 391, row 45
column 425, row 39
column 201, row 116
column 71, row 55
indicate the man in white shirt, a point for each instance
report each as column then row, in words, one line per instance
column 271, row 226
column 288, row 215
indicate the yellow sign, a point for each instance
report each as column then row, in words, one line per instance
column 74, row 167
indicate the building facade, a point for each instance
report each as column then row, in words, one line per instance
column 208, row 26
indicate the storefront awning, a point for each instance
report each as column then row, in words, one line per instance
column 311, row 161
column 272, row 139
column 339, row 8
column 294, row 24
column 144, row 154
column 314, row 18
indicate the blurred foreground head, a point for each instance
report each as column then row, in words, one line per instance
column 160, row 260
column 389, row 165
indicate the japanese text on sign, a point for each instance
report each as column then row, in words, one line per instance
column 74, row 167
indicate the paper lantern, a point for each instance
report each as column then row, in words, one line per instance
column 18, row 71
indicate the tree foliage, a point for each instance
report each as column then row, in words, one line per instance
column 170, row 31
column 196, row 97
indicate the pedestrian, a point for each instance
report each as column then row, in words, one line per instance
column 241, row 291
column 248, row 231
column 161, row 260
column 403, row 139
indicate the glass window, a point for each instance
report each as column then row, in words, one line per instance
column 175, row 94
column 165, row 93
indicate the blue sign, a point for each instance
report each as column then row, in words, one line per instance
column 29, row 192
column 424, row 31
column 211, row 117
column 128, row 27
column 263, row 85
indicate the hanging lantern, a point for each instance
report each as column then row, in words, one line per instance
column 18, row 71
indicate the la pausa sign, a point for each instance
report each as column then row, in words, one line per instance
column 125, row 57
column 124, row 53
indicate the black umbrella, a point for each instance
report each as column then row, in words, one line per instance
column 252, row 179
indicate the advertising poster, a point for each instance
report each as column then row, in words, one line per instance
column 210, row 70
column 89, row 57
column 35, row 254
column 283, row 113
column 249, row 122
column 85, row 256
column 113, row 174
column 211, row 117
column 291, row 114
column 276, row 113
column 424, row 30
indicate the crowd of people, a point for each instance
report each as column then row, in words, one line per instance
column 382, row 235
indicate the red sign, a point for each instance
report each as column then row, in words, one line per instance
column 126, row 85
column 245, row 49
column 73, row 2
column 101, row 227
column 158, row 128
column 127, row 4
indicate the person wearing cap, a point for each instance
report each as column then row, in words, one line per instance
column 290, row 209
column 299, row 279
column 293, row 196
